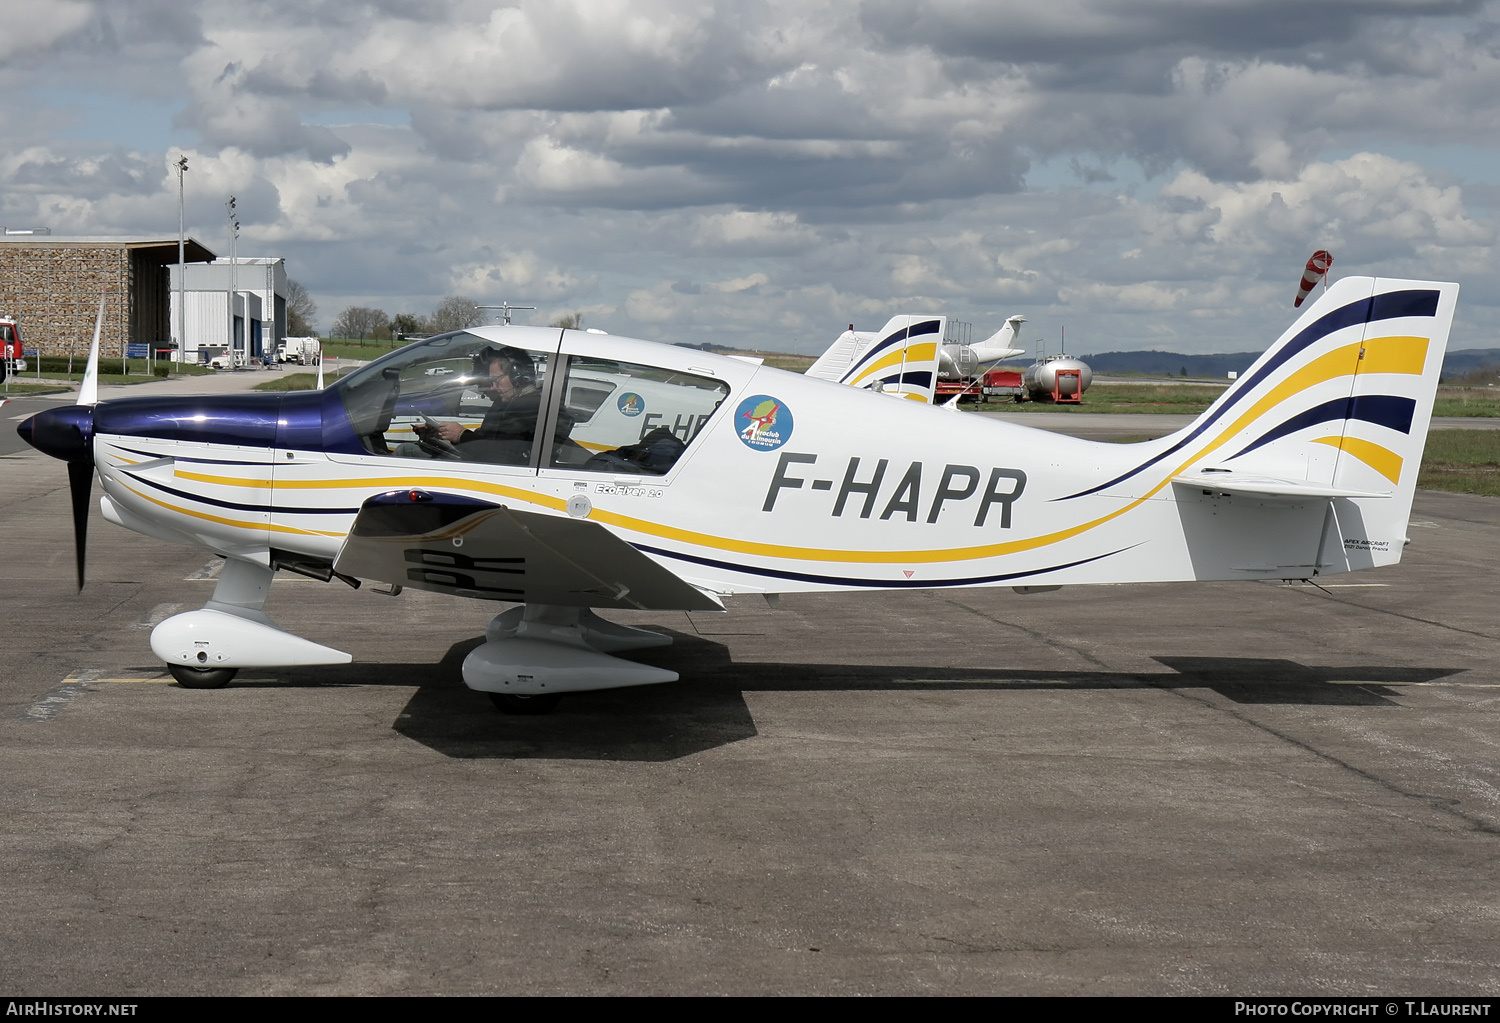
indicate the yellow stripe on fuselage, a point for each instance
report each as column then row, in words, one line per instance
column 221, row 481
column 392, row 482
column 237, row 523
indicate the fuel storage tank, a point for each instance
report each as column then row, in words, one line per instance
column 1044, row 378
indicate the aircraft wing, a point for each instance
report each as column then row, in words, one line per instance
column 472, row 548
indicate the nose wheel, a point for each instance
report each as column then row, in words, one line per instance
column 201, row 678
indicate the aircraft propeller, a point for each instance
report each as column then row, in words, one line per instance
column 80, row 486
column 67, row 433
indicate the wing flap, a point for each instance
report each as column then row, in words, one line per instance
column 470, row 548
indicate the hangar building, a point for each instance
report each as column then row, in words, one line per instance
column 259, row 285
column 51, row 284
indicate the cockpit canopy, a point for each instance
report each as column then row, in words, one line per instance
column 494, row 401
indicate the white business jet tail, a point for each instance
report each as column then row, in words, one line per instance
column 1003, row 344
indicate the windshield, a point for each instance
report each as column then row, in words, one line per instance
column 453, row 396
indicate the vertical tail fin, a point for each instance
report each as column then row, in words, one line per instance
column 1337, row 409
column 901, row 359
column 1332, row 418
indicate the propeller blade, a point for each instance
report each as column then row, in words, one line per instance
column 80, row 484
column 88, row 391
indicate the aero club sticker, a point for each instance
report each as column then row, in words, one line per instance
column 763, row 422
column 631, row 404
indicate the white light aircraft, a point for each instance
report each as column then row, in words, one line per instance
column 908, row 356
column 596, row 472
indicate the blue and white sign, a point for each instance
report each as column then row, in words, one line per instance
column 631, row 404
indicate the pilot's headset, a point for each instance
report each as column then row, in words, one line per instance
column 518, row 365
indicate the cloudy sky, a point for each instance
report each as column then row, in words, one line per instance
column 761, row 173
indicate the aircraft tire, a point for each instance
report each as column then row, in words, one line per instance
column 201, row 678
column 509, row 703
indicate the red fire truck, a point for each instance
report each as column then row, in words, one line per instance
column 11, row 352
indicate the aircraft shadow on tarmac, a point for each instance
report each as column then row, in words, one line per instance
column 708, row 709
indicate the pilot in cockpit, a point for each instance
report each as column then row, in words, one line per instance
column 508, row 377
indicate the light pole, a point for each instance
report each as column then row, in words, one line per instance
column 181, row 337
column 234, row 237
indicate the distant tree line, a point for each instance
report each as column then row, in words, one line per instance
column 455, row 312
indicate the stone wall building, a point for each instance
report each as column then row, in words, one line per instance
column 52, row 284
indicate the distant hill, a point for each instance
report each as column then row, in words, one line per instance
column 1162, row 364
column 1158, row 364
column 1467, row 361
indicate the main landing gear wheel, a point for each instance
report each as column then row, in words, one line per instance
column 510, row 703
column 201, row 678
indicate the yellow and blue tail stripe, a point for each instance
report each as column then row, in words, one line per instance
column 881, row 356
column 1396, row 354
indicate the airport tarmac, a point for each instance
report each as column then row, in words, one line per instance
column 1222, row 789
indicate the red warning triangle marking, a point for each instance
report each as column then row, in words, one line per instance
column 908, row 572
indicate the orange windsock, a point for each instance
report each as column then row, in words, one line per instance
column 1317, row 266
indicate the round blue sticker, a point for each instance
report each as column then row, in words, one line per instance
column 763, row 422
column 631, row 404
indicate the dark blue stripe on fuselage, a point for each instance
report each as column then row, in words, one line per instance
column 1386, row 306
column 237, row 506
column 191, row 458
column 1381, row 409
column 915, row 330
column 886, row 584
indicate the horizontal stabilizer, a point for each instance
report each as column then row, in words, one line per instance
column 1266, row 486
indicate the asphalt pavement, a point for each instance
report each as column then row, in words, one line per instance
column 1221, row 789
